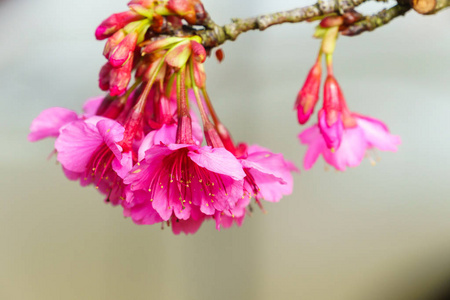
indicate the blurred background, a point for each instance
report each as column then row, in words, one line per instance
column 373, row 232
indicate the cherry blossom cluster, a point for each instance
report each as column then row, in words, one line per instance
column 341, row 136
column 156, row 147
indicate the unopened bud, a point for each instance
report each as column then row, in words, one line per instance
column 183, row 8
column 112, row 42
column 198, row 51
column 115, row 22
column 104, row 76
column 123, row 50
column 309, row 94
column 120, row 77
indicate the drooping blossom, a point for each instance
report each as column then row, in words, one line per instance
column 330, row 121
column 91, row 151
column 179, row 177
column 368, row 133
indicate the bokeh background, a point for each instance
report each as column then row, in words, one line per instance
column 373, row 232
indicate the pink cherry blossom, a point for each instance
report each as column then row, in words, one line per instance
column 181, row 178
column 90, row 150
column 368, row 133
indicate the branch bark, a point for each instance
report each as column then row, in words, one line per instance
column 217, row 35
column 377, row 20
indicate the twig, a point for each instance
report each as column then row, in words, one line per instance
column 218, row 35
column 375, row 21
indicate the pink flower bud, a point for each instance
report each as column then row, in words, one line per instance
column 198, row 51
column 309, row 94
column 103, row 79
column 120, row 77
column 123, row 50
column 112, row 42
column 115, row 22
column 184, row 8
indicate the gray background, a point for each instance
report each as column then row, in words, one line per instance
column 371, row 232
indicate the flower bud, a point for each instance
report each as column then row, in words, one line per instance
column 103, row 79
column 120, row 77
column 184, row 8
column 112, row 42
column 309, row 94
column 123, row 50
column 115, row 22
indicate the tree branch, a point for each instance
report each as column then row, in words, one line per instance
column 217, row 35
column 375, row 21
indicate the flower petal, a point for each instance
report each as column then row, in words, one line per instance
column 49, row 122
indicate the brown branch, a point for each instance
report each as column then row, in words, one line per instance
column 375, row 21
column 217, row 35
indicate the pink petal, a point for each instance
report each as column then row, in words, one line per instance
column 91, row 105
column 350, row 153
column 112, row 133
column 76, row 144
column 316, row 145
column 189, row 226
column 124, row 166
column 49, row 122
column 377, row 134
column 218, row 160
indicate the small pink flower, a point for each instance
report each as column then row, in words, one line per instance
column 180, row 177
column 330, row 122
column 91, row 151
column 368, row 133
